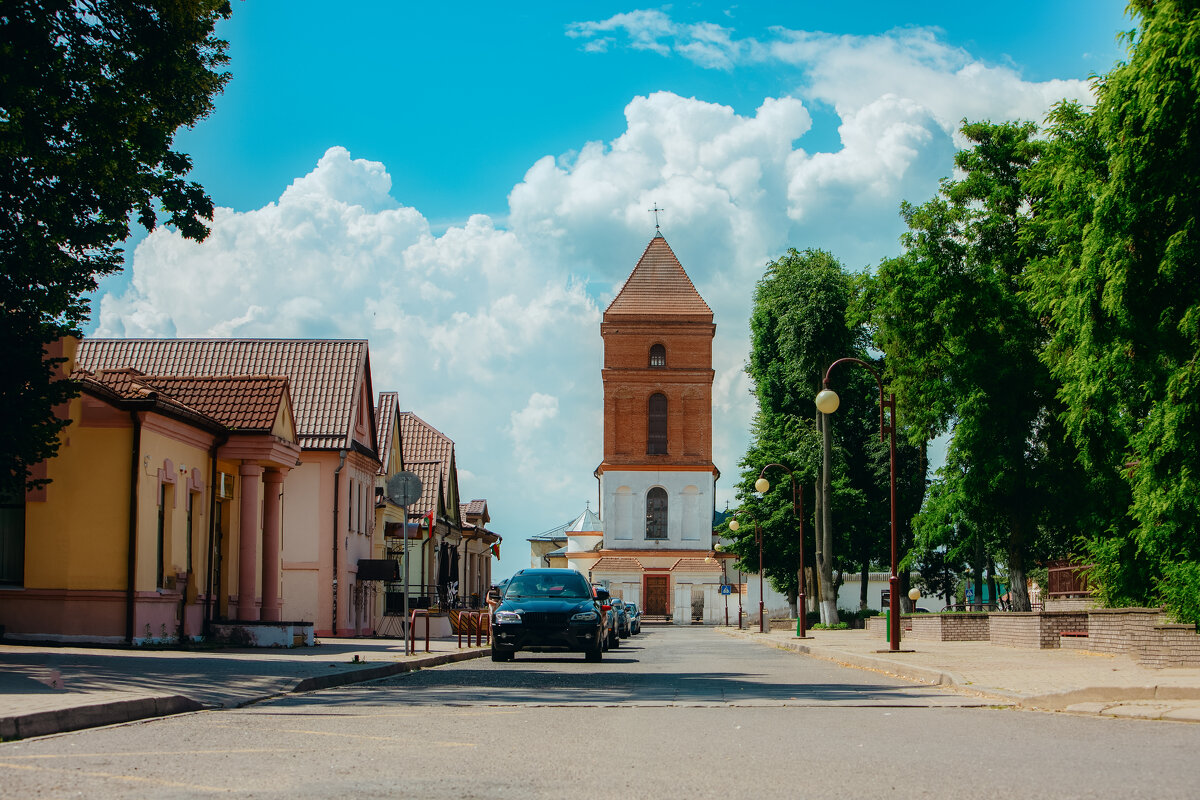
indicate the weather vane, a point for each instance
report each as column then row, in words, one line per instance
column 656, row 209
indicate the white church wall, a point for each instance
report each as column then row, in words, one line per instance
column 689, row 508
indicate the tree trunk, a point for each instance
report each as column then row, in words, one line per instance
column 1018, row 587
column 977, row 566
column 792, row 597
column 825, row 563
column 991, row 582
column 863, row 577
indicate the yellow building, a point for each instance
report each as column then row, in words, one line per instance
column 153, row 473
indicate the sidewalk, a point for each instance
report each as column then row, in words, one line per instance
column 1050, row 680
column 45, row 690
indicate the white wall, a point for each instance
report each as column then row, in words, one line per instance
column 689, row 509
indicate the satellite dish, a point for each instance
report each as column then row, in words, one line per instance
column 404, row 488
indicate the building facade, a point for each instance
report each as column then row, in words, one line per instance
column 654, row 545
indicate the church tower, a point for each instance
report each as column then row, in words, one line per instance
column 657, row 479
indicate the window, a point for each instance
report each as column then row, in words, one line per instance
column 656, row 434
column 656, row 513
column 658, row 356
column 12, row 540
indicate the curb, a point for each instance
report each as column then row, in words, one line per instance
column 96, row 715
column 45, row 723
column 1059, row 701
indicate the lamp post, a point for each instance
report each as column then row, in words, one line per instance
column 761, row 486
column 827, row 402
column 709, row 558
column 733, row 526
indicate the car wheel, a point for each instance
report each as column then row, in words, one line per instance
column 616, row 640
column 502, row 655
column 594, row 654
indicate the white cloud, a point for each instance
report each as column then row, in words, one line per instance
column 491, row 332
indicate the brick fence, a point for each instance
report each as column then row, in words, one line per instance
column 1144, row 634
column 950, row 627
column 1039, row 630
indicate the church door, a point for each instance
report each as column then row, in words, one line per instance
column 658, row 593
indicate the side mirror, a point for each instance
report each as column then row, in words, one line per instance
column 602, row 595
column 493, row 595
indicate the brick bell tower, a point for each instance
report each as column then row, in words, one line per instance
column 657, row 479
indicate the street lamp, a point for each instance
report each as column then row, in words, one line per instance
column 914, row 594
column 733, row 526
column 761, row 486
column 827, row 402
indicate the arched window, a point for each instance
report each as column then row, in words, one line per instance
column 656, row 428
column 658, row 356
column 656, row 513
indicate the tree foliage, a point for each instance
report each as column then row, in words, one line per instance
column 91, row 95
column 1122, row 289
column 963, row 342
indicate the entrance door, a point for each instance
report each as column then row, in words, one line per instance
column 658, row 596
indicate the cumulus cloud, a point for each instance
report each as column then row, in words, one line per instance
column 491, row 332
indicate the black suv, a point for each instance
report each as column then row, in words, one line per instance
column 546, row 610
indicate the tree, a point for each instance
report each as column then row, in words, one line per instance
column 963, row 342
column 798, row 327
column 1122, row 291
column 91, row 94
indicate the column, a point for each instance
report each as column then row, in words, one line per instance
column 271, row 535
column 248, row 533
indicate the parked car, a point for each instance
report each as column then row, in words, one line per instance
column 624, row 627
column 635, row 618
column 546, row 610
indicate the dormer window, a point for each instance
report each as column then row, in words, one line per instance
column 658, row 356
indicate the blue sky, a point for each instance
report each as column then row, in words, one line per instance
column 466, row 186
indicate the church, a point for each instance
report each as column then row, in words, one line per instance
column 654, row 541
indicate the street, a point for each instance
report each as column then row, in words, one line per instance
column 675, row 712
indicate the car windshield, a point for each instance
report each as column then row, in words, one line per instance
column 570, row 586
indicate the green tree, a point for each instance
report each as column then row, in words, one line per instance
column 799, row 326
column 963, row 342
column 1122, row 291
column 91, row 94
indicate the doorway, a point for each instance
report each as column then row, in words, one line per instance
column 658, row 595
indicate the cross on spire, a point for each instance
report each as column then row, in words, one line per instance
column 656, row 209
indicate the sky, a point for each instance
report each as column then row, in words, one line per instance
column 468, row 185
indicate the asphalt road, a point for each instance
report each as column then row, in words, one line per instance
column 676, row 712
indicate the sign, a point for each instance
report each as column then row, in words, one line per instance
column 726, row 588
column 404, row 488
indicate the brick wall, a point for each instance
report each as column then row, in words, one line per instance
column 950, row 627
column 1143, row 634
column 1038, row 630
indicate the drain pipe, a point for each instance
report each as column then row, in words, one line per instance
column 218, row 443
column 135, row 459
column 337, row 480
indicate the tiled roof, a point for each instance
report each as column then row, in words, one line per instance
column 129, row 384
column 244, row 403
column 697, row 565
column 424, row 443
column 323, row 374
column 430, row 473
column 617, row 564
column 385, row 416
column 658, row 285
column 475, row 508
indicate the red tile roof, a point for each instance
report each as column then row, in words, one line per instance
column 325, row 375
column 659, row 285
column 243, row 403
column 385, row 417
column 426, row 446
column 430, row 473
column 697, row 565
column 617, row 564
